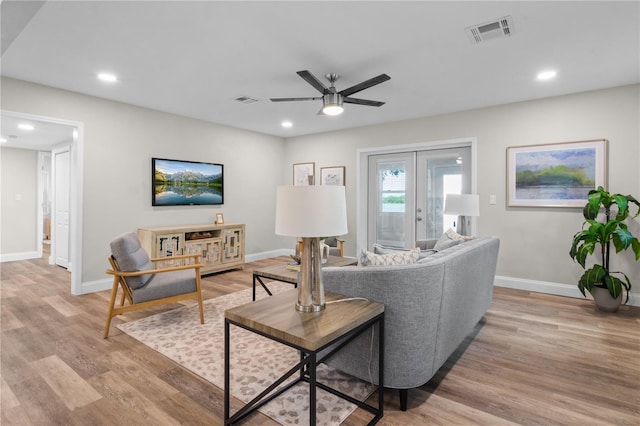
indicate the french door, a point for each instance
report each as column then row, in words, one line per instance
column 406, row 193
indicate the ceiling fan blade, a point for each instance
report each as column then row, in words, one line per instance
column 362, row 102
column 293, row 99
column 364, row 85
column 312, row 80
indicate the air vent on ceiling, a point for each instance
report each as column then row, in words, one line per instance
column 499, row 28
column 246, row 99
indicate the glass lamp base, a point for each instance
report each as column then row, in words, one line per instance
column 309, row 308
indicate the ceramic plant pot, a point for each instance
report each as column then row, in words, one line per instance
column 604, row 301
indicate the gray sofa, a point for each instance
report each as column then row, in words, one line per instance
column 430, row 307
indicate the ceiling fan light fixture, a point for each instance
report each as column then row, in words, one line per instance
column 332, row 104
column 332, row 109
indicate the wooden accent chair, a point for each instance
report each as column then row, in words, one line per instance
column 143, row 285
column 336, row 246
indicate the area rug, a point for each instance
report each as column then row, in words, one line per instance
column 256, row 361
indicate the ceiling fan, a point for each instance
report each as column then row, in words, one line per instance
column 332, row 100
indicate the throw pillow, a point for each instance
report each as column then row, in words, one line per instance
column 448, row 239
column 368, row 258
column 380, row 249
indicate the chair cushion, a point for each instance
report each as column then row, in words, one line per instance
column 331, row 241
column 131, row 257
column 166, row 284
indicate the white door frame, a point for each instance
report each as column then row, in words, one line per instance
column 362, row 181
column 76, row 194
column 42, row 155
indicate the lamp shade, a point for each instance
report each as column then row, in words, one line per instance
column 311, row 211
column 462, row 204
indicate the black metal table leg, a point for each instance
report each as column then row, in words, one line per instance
column 257, row 277
column 226, row 371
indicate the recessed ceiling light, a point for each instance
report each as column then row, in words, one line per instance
column 546, row 75
column 109, row 78
column 287, row 124
column 25, row 126
column 3, row 140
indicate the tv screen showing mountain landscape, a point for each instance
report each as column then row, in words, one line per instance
column 186, row 183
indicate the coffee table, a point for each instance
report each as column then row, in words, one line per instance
column 309, row 332
column 284, row 274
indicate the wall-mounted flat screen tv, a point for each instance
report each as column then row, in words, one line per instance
column 186, row 183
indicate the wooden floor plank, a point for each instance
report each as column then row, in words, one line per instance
column 62, row 306
column 128, row 398
column 65, row 382
column 535, row 359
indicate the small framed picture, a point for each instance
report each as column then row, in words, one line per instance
column 303, row 174
column 219, row 219
column 332, row 175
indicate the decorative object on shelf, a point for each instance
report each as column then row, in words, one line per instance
column 301, row 211
column 304, row 174
column 555, row 175
column 465, row 206
column 294, row 266
column 601, row 233
column 219, row 219
column 332, row 175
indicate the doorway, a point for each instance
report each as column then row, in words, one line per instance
column 402, row 190
column 73, row 146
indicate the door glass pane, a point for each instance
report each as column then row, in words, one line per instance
column 391, row 200
column 439, row 172
column 391, row 208
column 452, row 184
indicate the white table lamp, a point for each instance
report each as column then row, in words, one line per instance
column 464, row 205
column 311, row 212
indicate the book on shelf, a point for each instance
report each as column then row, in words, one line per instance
column 293, row 266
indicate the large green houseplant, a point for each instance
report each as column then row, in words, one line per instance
column 600, row 234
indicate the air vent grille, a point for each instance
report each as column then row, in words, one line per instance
column 498, row 28
column 246, row 99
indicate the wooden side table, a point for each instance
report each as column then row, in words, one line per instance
column 276, row 318
column 284, row 274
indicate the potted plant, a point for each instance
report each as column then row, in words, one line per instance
column 605, row 286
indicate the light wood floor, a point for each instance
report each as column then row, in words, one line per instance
column 534, row 360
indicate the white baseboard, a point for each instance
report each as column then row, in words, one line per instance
column 568, row 290
column 12, row 257
column 97, row 285
column 267, row 254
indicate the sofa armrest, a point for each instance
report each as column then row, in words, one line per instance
column 411, row 295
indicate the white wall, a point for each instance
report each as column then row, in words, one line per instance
column 535, row 242
column 119, row 141
column 18, row 184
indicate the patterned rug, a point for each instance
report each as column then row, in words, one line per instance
column 256, row 361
